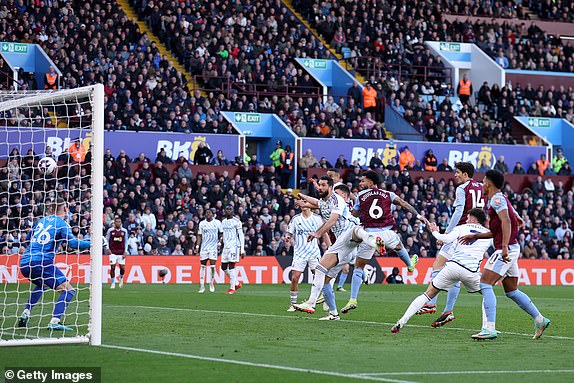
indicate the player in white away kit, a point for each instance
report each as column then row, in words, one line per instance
column 233, row 247
column 469, row 195
column 464, row 264
column 209, row 234
column 338, row 219
column 304, row 253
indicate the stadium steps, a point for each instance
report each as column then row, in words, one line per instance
column 289, row 4
column 132, row 14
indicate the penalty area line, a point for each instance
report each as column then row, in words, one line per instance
column 466, row 372
column 311, row 317
column 259, row 365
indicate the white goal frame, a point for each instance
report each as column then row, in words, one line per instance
column 37, row 98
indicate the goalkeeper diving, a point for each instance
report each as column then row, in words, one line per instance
column 37, row 263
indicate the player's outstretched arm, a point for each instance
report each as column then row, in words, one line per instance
column 325, row 227
column 445, row 238
column 310, row 201
column 466, row 239
column 405, row 205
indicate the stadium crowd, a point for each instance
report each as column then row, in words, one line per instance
column 253, row 44
column 161, row 205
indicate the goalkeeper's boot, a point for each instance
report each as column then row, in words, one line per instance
column 443, row 319
column 201, row 290
column 58, row 327
column 306, row 307
column 485, row 334
column 381, row 246
column 211, row 288
column 427, row 309
column 23, row 320
column 238, row 285
column 331, row 316
column 320, row 298
column 396, row 328
column 291, row 309
column 351, row 305
column 325, row 306
column 540, row 327
column 121, row 283
column 341, row 289
column 113, row 286
column 230, row 292
column 414, row 261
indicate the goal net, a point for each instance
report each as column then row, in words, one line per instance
column 66, row 125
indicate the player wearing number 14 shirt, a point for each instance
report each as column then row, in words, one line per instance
column 469, row 195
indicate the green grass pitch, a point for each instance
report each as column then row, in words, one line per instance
column 170, row 333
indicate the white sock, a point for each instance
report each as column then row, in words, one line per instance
column 369, row 239
column 318, row 283
column 211, row 274
column 335, row 313
column 202, row 275
column 539, row 319
column 232, row 279
column 54, row 320
column 415, row 306
column 294, row 296
column 491, row 326
column 26, row 312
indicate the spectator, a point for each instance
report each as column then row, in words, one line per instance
column 355, row 93
column 369, row 98
column 276, row 155
column 483, row 167
column 444, row 166
column 184, row 171
column 430, row 161
column 406, row 159
column 558, row 161
column 77, row 151
column 375, row 162
column 341, row 162
column 565, row 170
column 500, row 165
column 542, row 164
column 286, row 166
column 395, row 277
column 51, row 79
column 202, row 155
column 464, row 89
column 518, row 169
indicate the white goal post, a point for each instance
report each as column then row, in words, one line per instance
column 38, row 124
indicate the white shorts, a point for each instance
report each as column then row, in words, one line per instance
column 230, row 255
column 119, row 259
column 392, row 240
column 300, row 264
column 344, row 247
column 452, row 272
column 335, row 270
column 203, row 255
column 447, row 250
column 505, row 269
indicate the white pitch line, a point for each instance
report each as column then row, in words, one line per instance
column 260, row 365
column 343, row 320
column 467, row 372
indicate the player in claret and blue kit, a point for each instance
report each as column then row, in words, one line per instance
column 37, row 263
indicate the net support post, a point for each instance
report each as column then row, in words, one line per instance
column 97, row 223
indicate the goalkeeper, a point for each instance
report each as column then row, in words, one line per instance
column 37, row 263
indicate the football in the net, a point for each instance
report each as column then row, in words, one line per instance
column 47, row 165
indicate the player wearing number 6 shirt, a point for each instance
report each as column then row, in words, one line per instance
column 208, row 236
column 373, row 206
column 463, row 265
column 338, row 219
column 233, row 247
column 304, row 253
column 503, row 263
column 117, row 238
column 37, row 263
column 469, row 195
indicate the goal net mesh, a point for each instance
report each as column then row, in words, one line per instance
column 34, row 125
